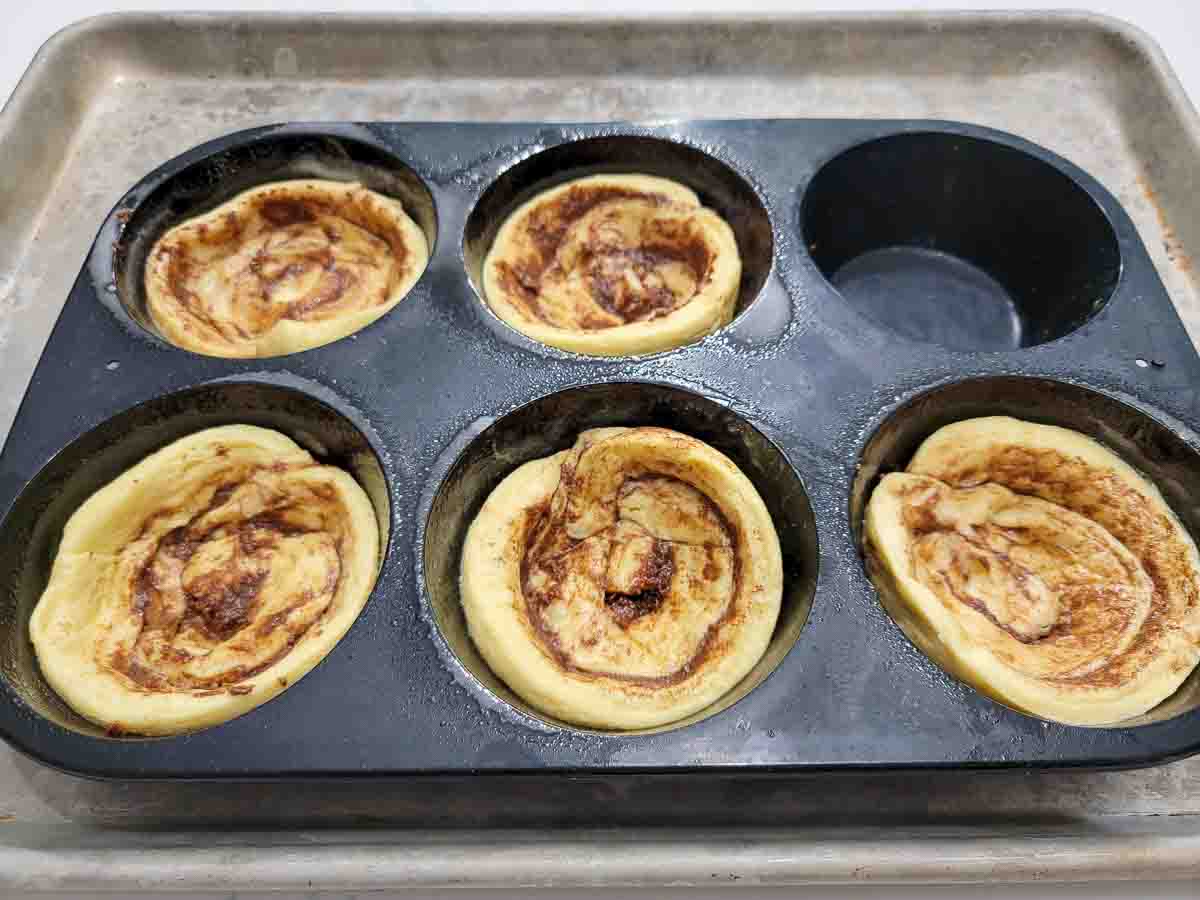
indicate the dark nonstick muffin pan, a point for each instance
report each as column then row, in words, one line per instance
column 898, row 276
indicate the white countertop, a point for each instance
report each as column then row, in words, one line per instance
column 1175, row 24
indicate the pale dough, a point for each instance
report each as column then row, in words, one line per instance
column 625, row 583
column 614, row 265
column 204, row 581
column 283, row 267
column 1041, row 568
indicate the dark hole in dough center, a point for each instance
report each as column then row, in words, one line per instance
column 648, row 588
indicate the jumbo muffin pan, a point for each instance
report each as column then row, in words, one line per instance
column 898, row 276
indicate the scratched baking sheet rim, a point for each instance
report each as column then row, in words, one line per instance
column 1162, row 853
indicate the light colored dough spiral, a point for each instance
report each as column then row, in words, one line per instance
column 282, row 268
column 625, row 583
column 1041, row 568
column 614, row 265
column 204, row 581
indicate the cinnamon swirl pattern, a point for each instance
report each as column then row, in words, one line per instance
column 1041, row 568
column 627, row 582
column 614, row 265
column 203, row 582
column 282, row 268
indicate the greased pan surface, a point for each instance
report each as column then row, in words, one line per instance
column 812, row 390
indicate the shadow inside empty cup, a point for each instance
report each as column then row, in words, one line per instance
column 959, row 241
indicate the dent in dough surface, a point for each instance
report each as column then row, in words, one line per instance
column 204, row 581
column 624, row 583
column 283, row 267
column 614, row 265
column 1041, row 568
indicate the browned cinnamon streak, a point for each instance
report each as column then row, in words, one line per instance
column 920, row 520
column 548, row 222
column 546, row 227
column 653, row 580
column 288, row 211
column 220, row 603
column 650, row 585
column 1071, row 482
column 289, row 216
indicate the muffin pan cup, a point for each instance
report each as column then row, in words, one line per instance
column 825, row 388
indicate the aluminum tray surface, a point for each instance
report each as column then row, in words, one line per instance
column 101, row 106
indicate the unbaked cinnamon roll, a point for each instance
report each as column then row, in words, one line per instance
column 203, row 582
column 1038, row 566
column 627, row 582
column 282, row 268
column 614, row 265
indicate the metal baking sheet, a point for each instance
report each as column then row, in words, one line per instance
column 107, row 101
